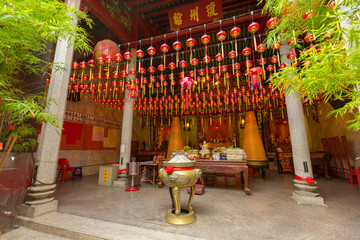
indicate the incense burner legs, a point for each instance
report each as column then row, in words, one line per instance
column 180, row 179
column 178, row 215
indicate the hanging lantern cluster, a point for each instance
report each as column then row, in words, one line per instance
column 187, row 86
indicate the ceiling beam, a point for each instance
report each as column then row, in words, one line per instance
column 132, row 3
column 237, row 5
column 161, row 19
column 209, row 26
column 115, row 27
column 154, row 5
column 158, row 12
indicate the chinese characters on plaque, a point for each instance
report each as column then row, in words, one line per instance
column 194, row 14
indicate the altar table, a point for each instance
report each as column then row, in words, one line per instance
column 227, row 167
column 222, row 166
column 317, row 158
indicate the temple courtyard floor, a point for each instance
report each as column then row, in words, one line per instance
column 89, row 211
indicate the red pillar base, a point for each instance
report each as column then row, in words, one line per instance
column 132, row 189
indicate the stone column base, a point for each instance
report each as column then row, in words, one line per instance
column 308, row 198
column 123, row 181
column 38, row 210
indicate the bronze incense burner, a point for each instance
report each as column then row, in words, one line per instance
column 177, row 175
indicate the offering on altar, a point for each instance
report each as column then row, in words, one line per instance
column 235, row 154
column 204, row 149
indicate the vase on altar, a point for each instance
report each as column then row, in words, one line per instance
column 216, row 156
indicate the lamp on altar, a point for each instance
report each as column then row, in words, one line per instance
column 132, row 169
column 242, row 122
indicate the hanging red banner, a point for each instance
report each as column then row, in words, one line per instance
column 194, row 14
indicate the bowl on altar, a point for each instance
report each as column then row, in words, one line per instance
column 177, row 173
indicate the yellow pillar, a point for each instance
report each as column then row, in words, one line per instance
column 253, row 145
column 176, row 139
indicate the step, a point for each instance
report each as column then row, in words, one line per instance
column 29, row 234
column 76, row 227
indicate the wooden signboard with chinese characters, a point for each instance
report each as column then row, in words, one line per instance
column 196, row 13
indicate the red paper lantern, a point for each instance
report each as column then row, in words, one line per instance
column 253, row 27
column 261, row 48
column 205, row 39
column 83, row 65
column 202, row 72
column 115, row 75
column 248, row 64
column 262, row 61
column 132, row 71
column 190, row 42
column 274, row 59
column 207, row 59
column 177, row 45
column 270, row 68
column 219, row 57
column 164, row 48
column 123, row 74
column 291, row 56
column 272, row 22
column 235, row 32
column 295, row 63
column 118, row 58
column 309, row 37
column 100, row 61
column 162, row 78
column 221, row 36
column 128, row 56
column 151, row 51
column 183, row 64
column 192, row 74
column 91, row 63
column 105, row 48
column 172, row 66
column 142, row 71
column 139, row 53
column 194, row 62
column 161, row 67
column 276, row 45
column 232, row 54
column 293, row 41
column 246, row 51
column 151, row 69
column 283, row 65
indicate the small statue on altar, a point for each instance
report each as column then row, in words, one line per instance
column 204, row 149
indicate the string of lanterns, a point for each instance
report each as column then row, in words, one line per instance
column 200, row 89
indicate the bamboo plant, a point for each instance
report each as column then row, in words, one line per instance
column 26, row 29
column 330, row 65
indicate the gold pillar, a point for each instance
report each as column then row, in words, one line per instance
column 176, row 139
column 253, row 145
